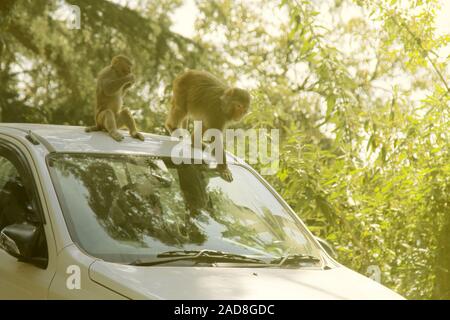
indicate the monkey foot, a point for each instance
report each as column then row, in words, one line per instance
column 169, row 129
column 116, row 136
column 137, row 135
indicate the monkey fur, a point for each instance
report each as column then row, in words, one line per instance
column 112, row 83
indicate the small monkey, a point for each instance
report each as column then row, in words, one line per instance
column 199, row 95
column 112, row 83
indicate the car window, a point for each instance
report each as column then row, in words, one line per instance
column 13, row 197
column 7, row 171
column 16, row 201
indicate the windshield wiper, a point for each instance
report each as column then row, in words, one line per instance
column 294, row 259
column 198, row 255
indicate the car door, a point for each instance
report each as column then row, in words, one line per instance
column 20, row 203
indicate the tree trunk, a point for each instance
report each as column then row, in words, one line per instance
column 442, row 283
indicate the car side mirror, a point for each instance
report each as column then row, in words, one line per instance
column 327, row 247
column 19, row 240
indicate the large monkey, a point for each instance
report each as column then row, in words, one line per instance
column 112, row 84
column 199, row 95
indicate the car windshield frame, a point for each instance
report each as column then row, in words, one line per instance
column 73, row 234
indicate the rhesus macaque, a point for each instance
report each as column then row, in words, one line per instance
column 198, row 95
column 112, row 83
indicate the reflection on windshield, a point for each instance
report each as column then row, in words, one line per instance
column 123, row 208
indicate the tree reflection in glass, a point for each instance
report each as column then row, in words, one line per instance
column 123, row 207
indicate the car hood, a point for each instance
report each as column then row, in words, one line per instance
column 199, row 283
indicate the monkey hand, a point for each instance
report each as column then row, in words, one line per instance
column 224, row 172
column 130, row 78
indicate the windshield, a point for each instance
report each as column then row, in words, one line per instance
column 123, row 208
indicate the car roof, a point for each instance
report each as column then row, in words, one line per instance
column 64, row 138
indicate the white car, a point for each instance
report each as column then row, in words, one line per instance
column 85, row 217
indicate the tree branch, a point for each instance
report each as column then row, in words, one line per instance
column 423, row 50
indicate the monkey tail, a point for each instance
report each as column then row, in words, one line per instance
column 91, row 129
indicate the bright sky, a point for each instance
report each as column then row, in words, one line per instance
column 184, row 18
column 443, row 24
column 443, row 21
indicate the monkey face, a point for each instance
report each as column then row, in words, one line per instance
column 122, row 65
column 238, row 110
column 124, row 68
column 238, row 101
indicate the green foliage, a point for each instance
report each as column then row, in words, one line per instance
column 361, row 102
column 364, row 162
